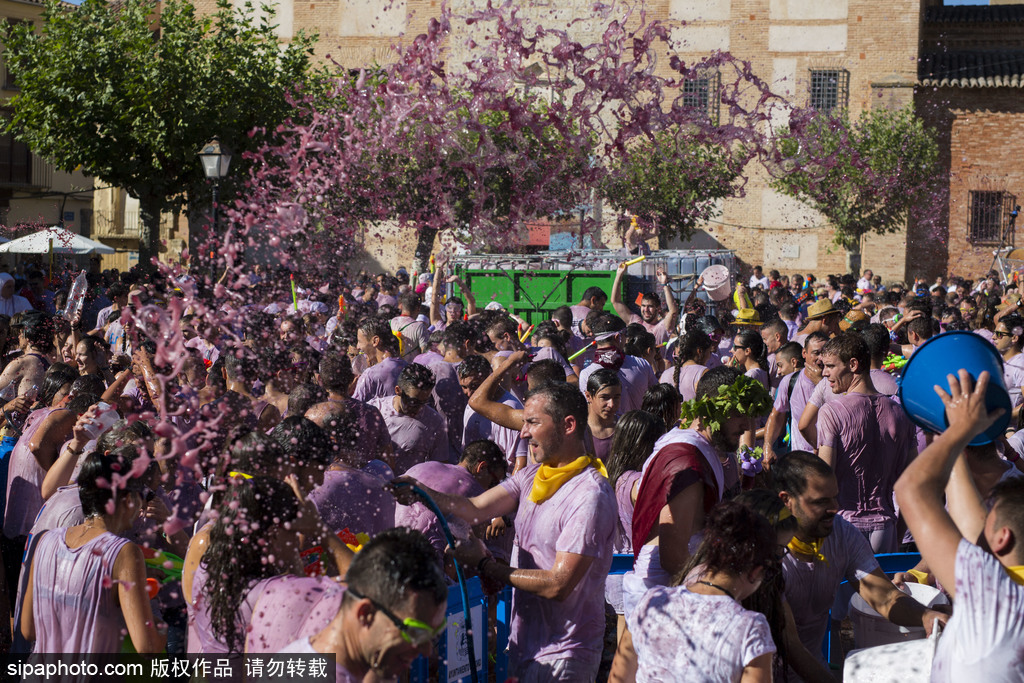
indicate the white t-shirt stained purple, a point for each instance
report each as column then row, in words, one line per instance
column 811, row 586
column 686, row 637
column 580, row 518
column 984, row 640
column 379, row 380
column 795, row 405
column 414, row 439
column 872, row 441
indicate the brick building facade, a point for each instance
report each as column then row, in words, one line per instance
column 971, row 74
column 828, row 53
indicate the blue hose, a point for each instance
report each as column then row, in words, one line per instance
column 429, row 502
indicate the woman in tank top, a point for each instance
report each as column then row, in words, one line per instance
column 87, row 584
column 635, row 435
column 248, row 545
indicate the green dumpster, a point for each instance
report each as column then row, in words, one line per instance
column 533, row 294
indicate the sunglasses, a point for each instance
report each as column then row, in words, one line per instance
column 998, row 334
column 414, row 632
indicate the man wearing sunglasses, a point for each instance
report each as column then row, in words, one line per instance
column 392, row 609
column 417, row 432
column 565, row 515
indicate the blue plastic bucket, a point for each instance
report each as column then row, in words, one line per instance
column 947, row 354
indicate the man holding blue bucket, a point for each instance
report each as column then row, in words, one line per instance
column 975, row 555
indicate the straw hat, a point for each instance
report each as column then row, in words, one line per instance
column 747, row 316
column 856, row 320
column 821, row 309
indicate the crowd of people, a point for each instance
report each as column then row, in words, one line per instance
column 183, row 479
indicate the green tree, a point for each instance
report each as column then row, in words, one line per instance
column 864, row 176
column 130, row 91
column 672, row 180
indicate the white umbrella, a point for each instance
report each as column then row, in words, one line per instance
column 64, row 242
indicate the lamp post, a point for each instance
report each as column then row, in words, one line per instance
column 216, row 159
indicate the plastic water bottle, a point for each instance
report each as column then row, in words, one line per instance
column 76, row 297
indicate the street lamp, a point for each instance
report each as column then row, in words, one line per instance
column 216, row 159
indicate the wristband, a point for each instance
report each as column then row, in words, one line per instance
column 483, row 563
column 1011, row 454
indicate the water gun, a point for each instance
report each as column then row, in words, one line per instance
column 341, row 305
column 313, row 564
column 170, row 564
column 893, row 363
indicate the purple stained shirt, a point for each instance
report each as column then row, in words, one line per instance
column 202, row 639
column 811, row 586
column 386, row 300
column 355, row 500
column 292, row 607
column 451, row 479
column 872, row 441
column 372, row 438
column 379, row 380
column 636, row 375
column 580, row 518
column 721, row 637
column 624, row 499
column 795, row 407
column 24, row 480
column 413, row 439
column 579, row 314
column 74, row 607
column 984, row 640
column 450, row 402
column 598, row 448
column 428, row 358
column 689, row 375
column 476, row 427
column 658, row 329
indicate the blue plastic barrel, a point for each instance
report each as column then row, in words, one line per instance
column 947, row 354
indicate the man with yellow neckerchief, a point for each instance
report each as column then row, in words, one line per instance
column 975, row 554
column 565, row 516
column 827, row 549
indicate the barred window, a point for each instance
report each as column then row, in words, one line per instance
column 829, row 89
column 702, row 93
column 988, row 215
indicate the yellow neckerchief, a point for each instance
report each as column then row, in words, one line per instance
column 549, row 479
column 813, row 548
column 1016, row 573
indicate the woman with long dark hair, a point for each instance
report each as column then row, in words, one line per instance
column 697, row 629
column 690, row 364
column 769, row 599
column 635, row 435
column 603, row 392
column 253, row 539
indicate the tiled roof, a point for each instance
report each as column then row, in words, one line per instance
column 979, row 14
column 1001, row 69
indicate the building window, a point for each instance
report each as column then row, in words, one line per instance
column 829, row 89
column 988, row 214
column 702, row 93
column 15, row 162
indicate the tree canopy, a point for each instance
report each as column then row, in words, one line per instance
column 864, row 176
column 130, row 90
